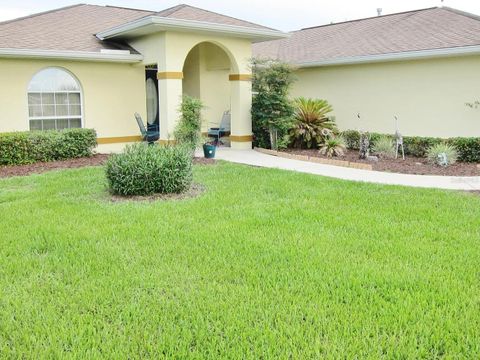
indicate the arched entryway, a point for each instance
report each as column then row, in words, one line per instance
column 206, row 73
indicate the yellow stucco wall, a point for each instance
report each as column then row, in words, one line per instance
column 206, row 76
column 170, row 49
column 112, row 93
column 429, row 96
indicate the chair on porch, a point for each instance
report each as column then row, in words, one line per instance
column 218, row 132
column 152, row 134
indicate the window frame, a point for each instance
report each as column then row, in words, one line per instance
column 54, row 117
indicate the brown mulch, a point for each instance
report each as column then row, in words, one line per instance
column 412, row 165
column 41, row 167
column 194, row 191
column 203, row 161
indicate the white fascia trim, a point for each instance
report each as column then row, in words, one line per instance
column 182, row 25
column 408, row 55
column 70, row 55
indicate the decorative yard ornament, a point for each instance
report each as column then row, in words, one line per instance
column 443, row 159
column 364, row 145
column 398, row 140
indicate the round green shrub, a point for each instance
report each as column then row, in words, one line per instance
column 145, row 170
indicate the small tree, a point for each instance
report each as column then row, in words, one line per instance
column 272, row 110
column 188, row 129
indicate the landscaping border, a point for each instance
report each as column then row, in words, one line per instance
column 316, row 160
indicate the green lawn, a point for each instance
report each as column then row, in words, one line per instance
column 266, row 264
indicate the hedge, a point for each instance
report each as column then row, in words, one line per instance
column 28, row 147
column 468, row 148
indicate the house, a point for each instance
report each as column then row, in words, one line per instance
column 422, row 66
column 95, row 66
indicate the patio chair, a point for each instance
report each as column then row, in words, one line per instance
column 152, row 134
column 218, row 132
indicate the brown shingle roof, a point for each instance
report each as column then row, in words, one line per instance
column 73, row 28
column 187, row 12
column 70, row 28
column 426, row 29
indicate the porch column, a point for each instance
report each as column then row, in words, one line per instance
column 241, row 104
column 170, row 96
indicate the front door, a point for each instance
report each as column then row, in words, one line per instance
column 153, row 109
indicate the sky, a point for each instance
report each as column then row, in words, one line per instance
column 279, row 14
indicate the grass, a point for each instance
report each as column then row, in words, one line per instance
column 266, row 264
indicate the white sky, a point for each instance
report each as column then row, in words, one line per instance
column 280, row 14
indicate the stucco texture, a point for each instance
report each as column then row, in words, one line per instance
column 112, row 93
column 428, row 96
column 206, row 75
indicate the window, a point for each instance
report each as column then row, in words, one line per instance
column 54, row 101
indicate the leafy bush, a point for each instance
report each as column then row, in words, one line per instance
column 442, row 154
column 352, row 139
column 311, row 124
column 188, row 129
column 383, row 146
column 146, row 170
column 468, row 148
column 333, row 146
column 418, row 146
column 28, row 147
column 272, row 110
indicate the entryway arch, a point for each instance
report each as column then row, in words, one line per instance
column 206, row 76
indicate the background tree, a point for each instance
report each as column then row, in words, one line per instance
column 272, row 111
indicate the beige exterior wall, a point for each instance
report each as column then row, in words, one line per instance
column 206, row 76
column 169, row 50
column 428, row 96
column 112, row 93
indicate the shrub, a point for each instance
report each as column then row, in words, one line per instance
column 272, row 110
column 311, row 125
column 418, row 146
column 442, row 154
column 28, row 147
column 468, row 148
column 146, row 170
column 188, row 129
column 352, row 139
column 333, row 146
column 383, row 146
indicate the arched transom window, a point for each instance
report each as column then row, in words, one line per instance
column 54, row 100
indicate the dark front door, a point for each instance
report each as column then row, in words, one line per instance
column 153, row 109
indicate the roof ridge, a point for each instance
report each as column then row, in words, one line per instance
column 174, row 8
column 41, row 13
column 181, row 6
column 367, row 18
column 461, row 12
column 123, row 7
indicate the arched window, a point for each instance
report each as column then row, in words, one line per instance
column 54, row 100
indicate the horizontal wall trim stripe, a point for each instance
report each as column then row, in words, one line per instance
column 167, row 142
column 241, row 138
column 240, row 77
column 118, row 140
column 176, row 75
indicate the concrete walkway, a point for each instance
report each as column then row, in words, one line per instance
column 251, row 157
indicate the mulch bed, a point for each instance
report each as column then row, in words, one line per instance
column 412, row 165
column 41, row 167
